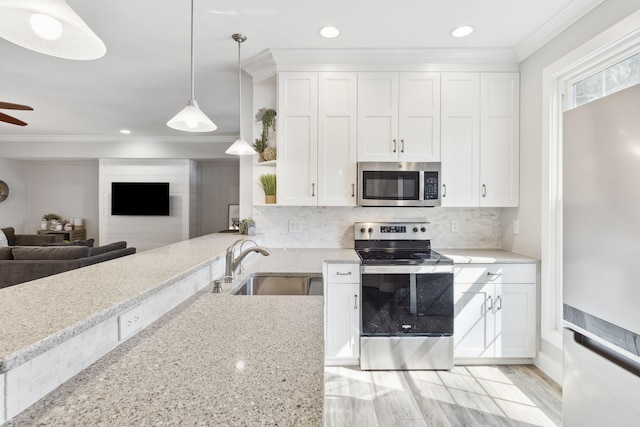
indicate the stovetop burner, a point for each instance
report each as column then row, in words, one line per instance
column 401, row 243
column 386, row 257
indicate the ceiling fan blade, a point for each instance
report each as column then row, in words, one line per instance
column 12, row 120
column 10, row 106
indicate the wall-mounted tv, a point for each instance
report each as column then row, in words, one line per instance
column 140, row 198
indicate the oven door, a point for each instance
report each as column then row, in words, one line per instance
column 406, row 317
column 407, row 300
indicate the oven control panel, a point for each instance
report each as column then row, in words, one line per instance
column 392, row 231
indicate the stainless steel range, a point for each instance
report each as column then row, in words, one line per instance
column 406, row 296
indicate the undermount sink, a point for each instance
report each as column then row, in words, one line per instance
column 280, row 285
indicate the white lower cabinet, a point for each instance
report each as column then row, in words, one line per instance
column 495, row 311
column 342, row 313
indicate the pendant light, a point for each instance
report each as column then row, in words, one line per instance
column 191, row 119
column 50, row 27
column 240, row 147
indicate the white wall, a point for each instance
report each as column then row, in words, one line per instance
column 529, row 213
column 13, row 209
column 146, row 232
column 219, row 187
column 67, row 188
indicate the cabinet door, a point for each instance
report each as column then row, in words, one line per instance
column 297, row 138
column 515, row 315
column 419, row 117
column 460, row 141
column 377, row 116
column 473, row 330
column 337, row 127
column 342, row 322
column 499, row 139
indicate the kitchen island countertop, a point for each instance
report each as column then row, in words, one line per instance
column 217, row 359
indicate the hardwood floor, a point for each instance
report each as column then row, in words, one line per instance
column 492, row 395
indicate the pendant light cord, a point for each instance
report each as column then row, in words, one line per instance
column 239, row 38
column 192, row 61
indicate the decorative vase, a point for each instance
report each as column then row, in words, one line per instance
column 270, row 200
column 261, row 157
column 44, row 224
column 268, row 154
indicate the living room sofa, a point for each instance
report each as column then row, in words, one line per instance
column 26, row 239
column 19, row 264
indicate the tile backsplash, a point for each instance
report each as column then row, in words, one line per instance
column 332, row 227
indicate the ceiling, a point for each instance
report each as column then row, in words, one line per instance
column 144, row 78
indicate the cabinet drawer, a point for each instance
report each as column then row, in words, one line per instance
column 495, row 273
column 343, row 273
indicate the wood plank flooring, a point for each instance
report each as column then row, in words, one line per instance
column 492, row 395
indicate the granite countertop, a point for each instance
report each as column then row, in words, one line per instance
column 71, row 302
column 486, row 256
column 217, row 359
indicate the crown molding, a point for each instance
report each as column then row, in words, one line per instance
column 267, row 63
column 217, row 139
column 260, row 67
column 562, row 20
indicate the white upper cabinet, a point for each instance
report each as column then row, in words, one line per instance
column 499, row 139
column 460, row 139
column 480, row 139
column 337, row 117
column 297, row 138
column 317, row 139
column 398, row 116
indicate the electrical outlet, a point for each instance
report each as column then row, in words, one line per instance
column 295, row 226
column 454, row 226
column 130, row 322
column 516, row 227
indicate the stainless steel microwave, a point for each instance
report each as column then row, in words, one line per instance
column 398, row 184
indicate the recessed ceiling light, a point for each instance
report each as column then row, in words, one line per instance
column 462, row 31
column 125, row 131
column 329, row 32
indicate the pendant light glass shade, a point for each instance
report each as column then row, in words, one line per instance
column 240, row 147
column 191, row 118
column 50, row 27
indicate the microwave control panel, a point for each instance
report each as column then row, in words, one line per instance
column 431, row 186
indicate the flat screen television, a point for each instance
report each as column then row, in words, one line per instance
column 140, row 198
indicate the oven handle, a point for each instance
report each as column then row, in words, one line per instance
column 406, row 269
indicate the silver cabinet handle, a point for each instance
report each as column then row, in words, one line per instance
column 499, row 300
column 484, row 190
column 493, row 274
column 444, row 190
column 490, row 306
column 348, row 273
column 402, row 145
column 313, row 189
column 355, row 302
column 353, row 190
column 395, row 144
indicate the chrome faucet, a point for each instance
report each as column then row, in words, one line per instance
column 232, row 263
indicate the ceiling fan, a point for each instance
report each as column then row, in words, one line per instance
column 7, row 118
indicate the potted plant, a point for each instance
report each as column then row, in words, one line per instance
column 48, row 221
column 247, row 226
column 268, row 118
column 268, row 185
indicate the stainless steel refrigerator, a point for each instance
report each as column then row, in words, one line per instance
column 601, row 262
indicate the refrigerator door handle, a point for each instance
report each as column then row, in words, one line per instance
column 605, row 351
